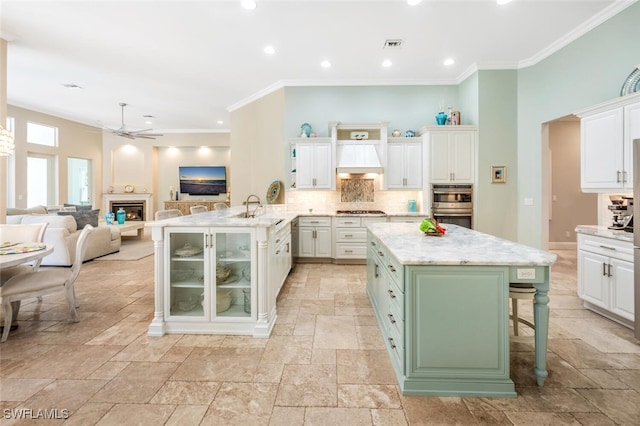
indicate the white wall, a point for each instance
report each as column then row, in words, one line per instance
column 151, row 166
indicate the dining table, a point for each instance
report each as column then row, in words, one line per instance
column 19, row 253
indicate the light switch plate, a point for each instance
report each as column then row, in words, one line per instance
column 526, row 274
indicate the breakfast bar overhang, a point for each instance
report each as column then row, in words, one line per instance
column 442, row 306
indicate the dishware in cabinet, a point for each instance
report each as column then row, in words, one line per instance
column 209, row 274
column 234, row 272
column 186, row 273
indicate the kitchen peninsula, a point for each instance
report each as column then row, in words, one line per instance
column 218, row 272
column 442, row 306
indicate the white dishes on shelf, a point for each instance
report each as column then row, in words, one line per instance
column 187, row 250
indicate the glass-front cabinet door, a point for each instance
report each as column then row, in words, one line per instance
column 209, row 273
column 187, row 274
column 234, row 270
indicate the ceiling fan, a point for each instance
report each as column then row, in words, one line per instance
column 133, row 134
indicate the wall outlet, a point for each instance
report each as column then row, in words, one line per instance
column 526, row 274
column 567, row 234
column 528, row 201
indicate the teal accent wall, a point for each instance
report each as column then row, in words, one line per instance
column 404, row 107
column 586, row 72
column 496, row 203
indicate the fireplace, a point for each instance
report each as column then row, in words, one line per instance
column 138, row 206
column 134, row 210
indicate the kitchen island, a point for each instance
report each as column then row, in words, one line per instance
column 442, row 306
column 220, row 273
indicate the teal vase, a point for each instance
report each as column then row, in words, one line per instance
column 441, row 118
column 120, row 216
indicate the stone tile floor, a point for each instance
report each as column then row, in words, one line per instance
column 325, row 363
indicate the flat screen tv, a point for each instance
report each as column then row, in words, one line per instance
column 203, row 180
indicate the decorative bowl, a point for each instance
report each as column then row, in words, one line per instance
column 222, row 273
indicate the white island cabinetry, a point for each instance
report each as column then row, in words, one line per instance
column 216, row 273
column 605, row 272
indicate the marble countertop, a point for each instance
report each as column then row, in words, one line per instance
column 271, row 215
column 603, row 231
column 459, row 246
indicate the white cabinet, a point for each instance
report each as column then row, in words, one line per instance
column 312, row 164
column 280, row 254
column 451, row 153
column 209, row 274
column 404, row 163
column 605, row 276
column 314, row 236
column 350, row 236
column 604, row 163
column 607, row 132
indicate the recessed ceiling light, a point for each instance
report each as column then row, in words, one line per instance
column 269, row 50
column 413, row 2
column 148, row 122
column 325, row 64
column 449, row 61
column 220, row 122
column 501, row 2
column 248, row 4
column 387, row 63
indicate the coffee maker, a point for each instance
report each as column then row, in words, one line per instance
column 622, row 210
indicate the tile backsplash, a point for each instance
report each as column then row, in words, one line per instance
column 356, row 190
column 324, row 200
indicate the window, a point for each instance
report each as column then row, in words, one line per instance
column 41, row 180
column 79, row 180
column 41, row 134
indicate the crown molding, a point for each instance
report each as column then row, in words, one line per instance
column 605, row 14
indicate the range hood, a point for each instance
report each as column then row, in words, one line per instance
column 358, row 157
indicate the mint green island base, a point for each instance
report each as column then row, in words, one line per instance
column 442, row 304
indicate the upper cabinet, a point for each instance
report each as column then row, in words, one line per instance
column 312, row 163
column 607, row 134
column 452, row 153
column 404, row 163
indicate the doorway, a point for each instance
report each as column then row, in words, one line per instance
column 568, row 206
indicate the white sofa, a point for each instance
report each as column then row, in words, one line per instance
column 63, row 234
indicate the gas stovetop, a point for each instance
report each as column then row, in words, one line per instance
column 361, row 212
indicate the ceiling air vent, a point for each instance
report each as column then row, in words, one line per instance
column 395, row 43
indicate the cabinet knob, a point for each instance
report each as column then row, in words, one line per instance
column 391, row 294
column 391, row 342
column 392, row 319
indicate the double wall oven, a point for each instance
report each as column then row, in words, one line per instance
column 453, row 204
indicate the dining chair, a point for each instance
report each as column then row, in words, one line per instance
column 167, row 214
column 21, row 233
column 517, row 292
column 43, row 282
column 198, row 209
column 220, row 206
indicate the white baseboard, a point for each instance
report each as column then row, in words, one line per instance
column 562, row 246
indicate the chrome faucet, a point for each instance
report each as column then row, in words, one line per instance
column 258, row 202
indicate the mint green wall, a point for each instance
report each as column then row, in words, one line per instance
column 404, row 107
column 588, row 71
column 496, row 207
column 468, row 99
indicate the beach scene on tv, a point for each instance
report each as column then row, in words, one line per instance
column 203, row 180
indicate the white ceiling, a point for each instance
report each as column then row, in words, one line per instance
column 189, row 63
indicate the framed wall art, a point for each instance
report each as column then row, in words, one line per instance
column 498, row 174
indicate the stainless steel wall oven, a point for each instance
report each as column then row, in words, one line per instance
column 453, row 204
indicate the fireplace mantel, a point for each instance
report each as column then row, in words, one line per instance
column 107, row 198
